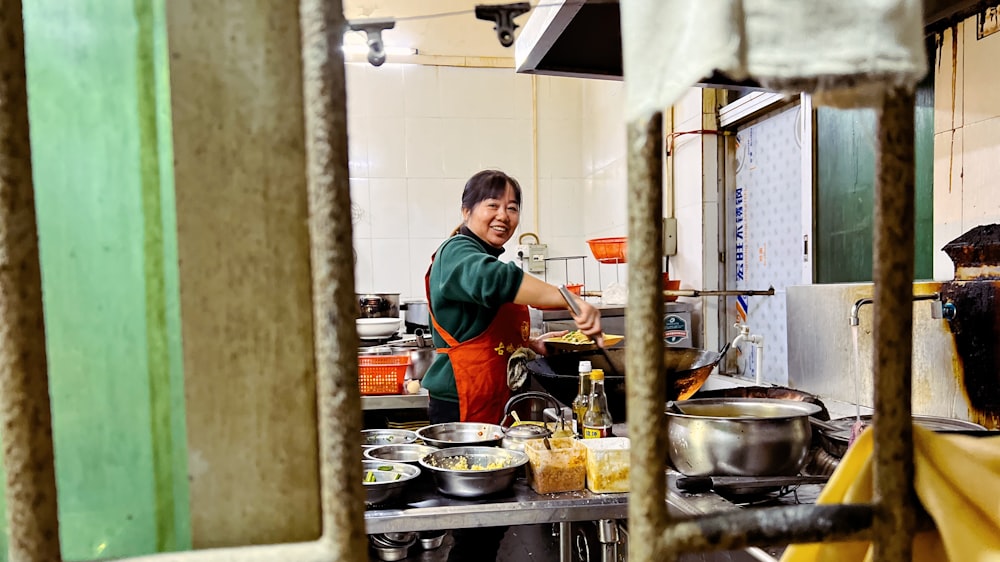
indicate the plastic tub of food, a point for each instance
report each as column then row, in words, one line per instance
column 560, row 469
column 607, row 464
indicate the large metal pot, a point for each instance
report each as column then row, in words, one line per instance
column 416, row 315
column 378, row 305
column 739, row 436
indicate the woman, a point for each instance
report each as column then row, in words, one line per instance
column 478, row 306
column 479, row 317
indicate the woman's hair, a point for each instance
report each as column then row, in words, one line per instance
column 488, row 184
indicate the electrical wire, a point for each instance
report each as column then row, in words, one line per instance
column 472, row 11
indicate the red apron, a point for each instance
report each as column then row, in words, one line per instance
column 480, row 364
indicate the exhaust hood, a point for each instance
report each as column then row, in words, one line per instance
column 582, row 39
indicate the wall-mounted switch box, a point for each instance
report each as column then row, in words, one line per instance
column 532, row 257
column 669, row 236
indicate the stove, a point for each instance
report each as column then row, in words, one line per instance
column 365, row 344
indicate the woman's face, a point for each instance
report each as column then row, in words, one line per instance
column 494, row 220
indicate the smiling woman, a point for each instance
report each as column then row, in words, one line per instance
column 479, row 318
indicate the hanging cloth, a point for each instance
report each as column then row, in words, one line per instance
column 844, row 52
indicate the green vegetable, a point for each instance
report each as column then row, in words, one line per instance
column 385, row 467
column 370, row 477
column 398, row 476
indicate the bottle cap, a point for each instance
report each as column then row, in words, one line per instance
column 597, row 375
column 584, row 366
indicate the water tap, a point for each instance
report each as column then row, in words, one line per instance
column 757, row 341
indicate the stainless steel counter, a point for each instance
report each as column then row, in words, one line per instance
column 425, row 509
column 395, row 401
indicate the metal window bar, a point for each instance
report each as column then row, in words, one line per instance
column 30, row 486
column 890, row 522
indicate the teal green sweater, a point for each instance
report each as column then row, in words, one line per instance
column 468, row 285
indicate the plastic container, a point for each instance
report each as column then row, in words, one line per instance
column 609, row 250
column 562, row 469
column 382, row 374
column 670, row 285
column 607, row 464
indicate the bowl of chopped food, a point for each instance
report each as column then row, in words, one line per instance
column 471, row 472
column 379, row 437
column 461, row 434
column 385, row 481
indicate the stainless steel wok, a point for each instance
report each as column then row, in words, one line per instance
column 686, row 369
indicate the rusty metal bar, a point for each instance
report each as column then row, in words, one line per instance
column 647, row 512
column 893, row 528
column 324, row 95
column 773, row 526
column 32, row 515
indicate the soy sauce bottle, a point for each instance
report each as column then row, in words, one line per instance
column 581, row 403
column 597, row 420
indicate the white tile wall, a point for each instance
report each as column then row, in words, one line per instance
column 416, row 134
column 948, row 93
column 965, row 101
column 980, row 79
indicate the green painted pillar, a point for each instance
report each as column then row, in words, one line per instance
column 100, row 134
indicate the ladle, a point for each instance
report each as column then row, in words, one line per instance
column 568, row 297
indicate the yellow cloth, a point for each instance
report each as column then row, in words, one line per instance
column 957, row 478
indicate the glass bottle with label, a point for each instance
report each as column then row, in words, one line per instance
column 582, row 400
column 597, row 420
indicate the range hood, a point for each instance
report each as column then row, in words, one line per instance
column 582, row 38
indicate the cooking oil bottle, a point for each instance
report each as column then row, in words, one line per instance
column 582, row 400
column 597, row 420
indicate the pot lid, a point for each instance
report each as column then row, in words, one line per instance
column 528, row 431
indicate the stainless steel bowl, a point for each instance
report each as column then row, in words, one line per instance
column 379, row 437
column 409, row 453
column 739, row 436
column 390, row 479
column 467, row 481
column 461, row 434
column 429, row 540
column 390, row 554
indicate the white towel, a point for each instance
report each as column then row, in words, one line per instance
column 845, row 52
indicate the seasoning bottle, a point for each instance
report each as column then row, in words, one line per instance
column 597, row 420
column 582, row 400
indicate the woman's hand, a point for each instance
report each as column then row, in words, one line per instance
column 538, row 344
column 589, row 321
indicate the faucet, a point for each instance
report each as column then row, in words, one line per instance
column 758, row 342
column 861, row 302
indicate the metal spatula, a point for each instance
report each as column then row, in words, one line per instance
column 571, row 303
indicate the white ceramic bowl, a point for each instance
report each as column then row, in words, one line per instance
column 375, row 328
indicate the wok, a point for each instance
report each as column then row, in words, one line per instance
column 835, row 435
column 685, row 368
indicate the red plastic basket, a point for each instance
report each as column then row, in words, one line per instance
column 609, row 250
column 382, row 374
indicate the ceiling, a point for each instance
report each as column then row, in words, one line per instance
column 431, row 33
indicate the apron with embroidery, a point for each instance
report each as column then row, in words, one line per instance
column 480, row 364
